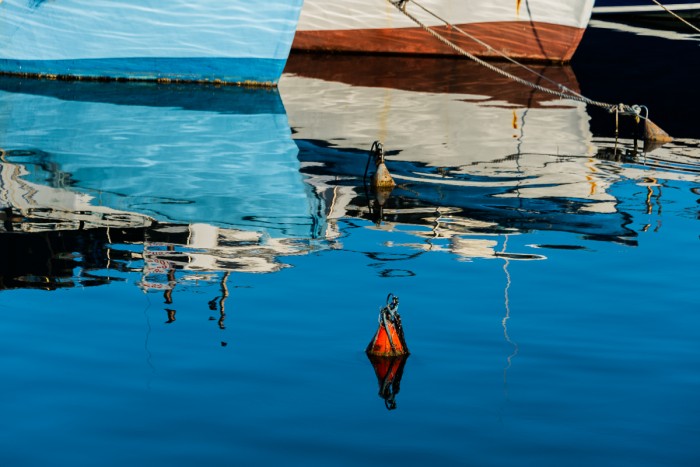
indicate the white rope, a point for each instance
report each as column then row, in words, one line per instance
column 678, row 16
column 563, row 92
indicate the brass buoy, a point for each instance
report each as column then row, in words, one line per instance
column 381, row 178
column 652, row 132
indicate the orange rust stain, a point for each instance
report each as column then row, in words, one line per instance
column 517, row 7
column 593, row 184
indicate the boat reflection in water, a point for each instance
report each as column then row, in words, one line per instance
column 474, row 154
column 179, row 184
column 205, row 178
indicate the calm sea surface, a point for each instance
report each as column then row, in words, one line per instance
column 189, row 275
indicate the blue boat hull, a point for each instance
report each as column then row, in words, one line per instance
column 239, row 41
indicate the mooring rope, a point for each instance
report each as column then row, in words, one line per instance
column 563, row 92
column 677, row 16
column 496, row 51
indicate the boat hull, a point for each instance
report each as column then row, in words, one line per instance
column 538, row 30
column 236, row 42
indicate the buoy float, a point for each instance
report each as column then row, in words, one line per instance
column 388, row 352
column 381, row 179
column 389, row 340
column 652, row 132
column 654, row 136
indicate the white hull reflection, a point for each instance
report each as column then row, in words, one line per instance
column 53, row 209
column 543, row 143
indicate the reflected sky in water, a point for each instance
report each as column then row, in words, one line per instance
column 192, row 274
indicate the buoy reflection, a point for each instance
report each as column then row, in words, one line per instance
column 389, row 371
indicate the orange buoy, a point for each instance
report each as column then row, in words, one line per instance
column 389, row 340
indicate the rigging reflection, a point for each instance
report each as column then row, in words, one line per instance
column 506, row 317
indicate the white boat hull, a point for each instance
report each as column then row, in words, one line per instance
column 543, row 30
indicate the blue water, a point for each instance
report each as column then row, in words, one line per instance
column 191, row 279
